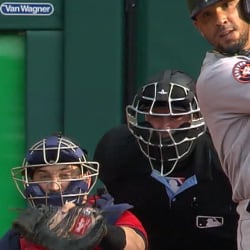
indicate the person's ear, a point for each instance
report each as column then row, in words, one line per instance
column 195, row 24
column 197, row 27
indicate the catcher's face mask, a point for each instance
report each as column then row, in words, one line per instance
column 165, row 118
column 54, row 171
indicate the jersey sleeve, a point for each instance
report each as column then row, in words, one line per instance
column 128, row 219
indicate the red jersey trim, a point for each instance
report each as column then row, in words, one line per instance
column 130, row 220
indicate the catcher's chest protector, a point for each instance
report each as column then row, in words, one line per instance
column 26, row 245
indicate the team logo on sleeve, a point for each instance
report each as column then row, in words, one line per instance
column 241, row 71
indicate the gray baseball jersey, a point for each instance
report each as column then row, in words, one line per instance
column 223, row 90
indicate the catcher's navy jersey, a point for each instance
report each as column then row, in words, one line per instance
column 223, row 89
column 191, row 209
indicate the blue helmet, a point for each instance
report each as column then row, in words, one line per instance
column 50, row 151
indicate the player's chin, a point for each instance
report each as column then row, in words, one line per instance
column 229, row 46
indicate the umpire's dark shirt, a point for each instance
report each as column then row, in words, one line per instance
column 182, row 223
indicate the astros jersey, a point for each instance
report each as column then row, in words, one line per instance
column 223, row 91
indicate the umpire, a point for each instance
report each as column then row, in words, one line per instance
column 163, row 162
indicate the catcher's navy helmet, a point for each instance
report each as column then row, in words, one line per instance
column 55, row 151
column 169, row 95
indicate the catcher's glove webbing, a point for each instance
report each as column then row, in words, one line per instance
column 79, row 228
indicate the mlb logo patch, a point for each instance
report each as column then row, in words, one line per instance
column 209, row 221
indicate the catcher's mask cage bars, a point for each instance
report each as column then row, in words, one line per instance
column 22, row 180
column 89, row 171
column 176, row 137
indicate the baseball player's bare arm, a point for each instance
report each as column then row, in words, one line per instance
column 134, row 241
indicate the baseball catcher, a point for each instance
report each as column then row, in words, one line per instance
column 56, row 179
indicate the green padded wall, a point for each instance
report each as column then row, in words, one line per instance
column 166, row 38
column 93, row 66
column 44, row 74
column 12, row 125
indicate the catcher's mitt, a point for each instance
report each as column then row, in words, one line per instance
column 55, row 228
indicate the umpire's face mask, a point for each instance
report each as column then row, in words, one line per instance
column 164, row 139
column 161, row 120
column 164, row 150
